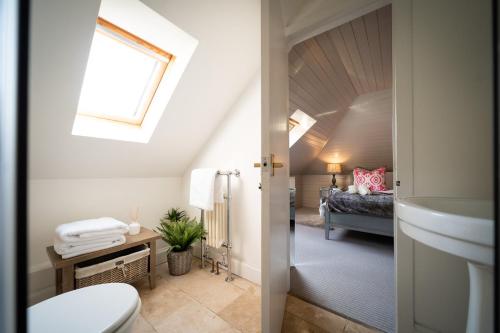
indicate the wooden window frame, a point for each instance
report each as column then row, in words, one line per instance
column 166, row 59
column 292, row 123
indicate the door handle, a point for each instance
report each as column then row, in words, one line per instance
column 275, row 165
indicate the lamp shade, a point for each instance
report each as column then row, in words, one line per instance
column 333, row 167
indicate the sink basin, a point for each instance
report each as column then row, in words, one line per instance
column 462, row 227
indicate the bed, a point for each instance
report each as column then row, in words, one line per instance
column 371, row 213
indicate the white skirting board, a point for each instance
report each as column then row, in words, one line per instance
column 42, row 276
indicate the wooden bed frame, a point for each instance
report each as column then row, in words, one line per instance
column 364, row 223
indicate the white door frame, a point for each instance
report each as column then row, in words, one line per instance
column 402, row 137
column 402, row 99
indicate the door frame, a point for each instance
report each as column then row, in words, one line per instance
column 401, row 94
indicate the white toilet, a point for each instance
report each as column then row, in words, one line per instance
column 111, row 307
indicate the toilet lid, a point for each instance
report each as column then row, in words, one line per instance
column 100, row 308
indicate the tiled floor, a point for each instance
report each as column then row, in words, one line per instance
column 203, row 302
column 303, row 317
column 198, row 302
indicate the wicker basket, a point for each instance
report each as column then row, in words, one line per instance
column 179, row 263
column 126, row 266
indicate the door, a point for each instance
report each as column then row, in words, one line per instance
column 13, row 128
column 275, row 195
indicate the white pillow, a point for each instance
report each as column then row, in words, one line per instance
column 364, row 190
column 352, row 189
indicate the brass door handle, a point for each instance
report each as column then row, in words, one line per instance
column 275, row 165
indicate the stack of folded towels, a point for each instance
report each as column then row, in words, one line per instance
column 76, row 238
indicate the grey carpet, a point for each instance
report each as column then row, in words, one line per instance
column 351, row 274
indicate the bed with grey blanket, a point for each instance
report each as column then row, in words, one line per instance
column 371, row 213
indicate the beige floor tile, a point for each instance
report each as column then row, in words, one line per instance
column 192, row 318
column 191, row 303
column 326, row 320
column 353, row 327
column 141, row 325
column 243, row 313
column 161, row 302
column 208, row 289
column 244, row 284
column 294, row 324
column 217, row 297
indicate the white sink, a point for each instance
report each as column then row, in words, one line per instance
column 462, row 227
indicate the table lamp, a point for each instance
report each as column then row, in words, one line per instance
column 333, row 168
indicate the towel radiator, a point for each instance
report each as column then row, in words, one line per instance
column 213, row 220
column 215, row 223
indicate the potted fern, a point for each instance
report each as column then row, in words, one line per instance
column 180, row 237
column 174, row 215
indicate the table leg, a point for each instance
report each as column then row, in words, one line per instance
column 152, row 264
column 58, row 281
column 68, row 278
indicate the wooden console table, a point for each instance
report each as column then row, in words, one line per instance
column 65, row 268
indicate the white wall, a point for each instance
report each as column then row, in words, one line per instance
column 443, row 91
column 235, row 144
column 56, row 201
column 224, row 62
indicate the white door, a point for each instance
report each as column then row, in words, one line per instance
column 275, row 195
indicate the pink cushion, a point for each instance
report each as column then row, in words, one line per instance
column 374, row 180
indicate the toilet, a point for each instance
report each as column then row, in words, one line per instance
column 110, row 307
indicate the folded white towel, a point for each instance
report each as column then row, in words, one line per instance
column 68, row 247
column 87, row 249
column 90, row 229
column 205, row 188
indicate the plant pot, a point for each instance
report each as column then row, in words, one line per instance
column 179, row 263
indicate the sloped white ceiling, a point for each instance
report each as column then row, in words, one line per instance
column 227, row 57
column 363, row 137
column 328, row 73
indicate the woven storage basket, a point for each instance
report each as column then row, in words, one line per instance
column 126, row 266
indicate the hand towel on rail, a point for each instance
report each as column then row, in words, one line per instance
column 90, row 229
column 205, row 188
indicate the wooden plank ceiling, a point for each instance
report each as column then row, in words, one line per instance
column 329, row 71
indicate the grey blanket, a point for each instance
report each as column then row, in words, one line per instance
column 376, row 204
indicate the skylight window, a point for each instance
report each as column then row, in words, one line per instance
column 122, row 76
column 299, row 123
column 135, row 62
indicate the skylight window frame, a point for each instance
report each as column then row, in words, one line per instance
column 292, row 123
column 165, row 59
column 302, row 123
